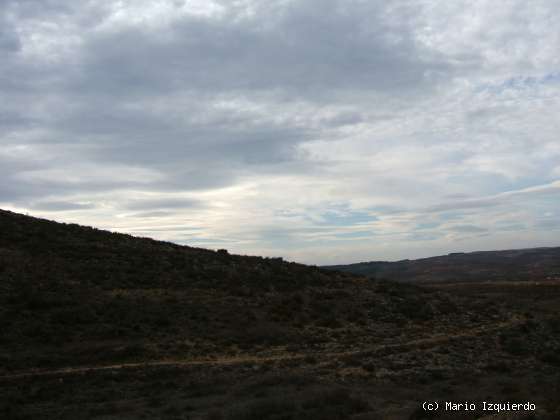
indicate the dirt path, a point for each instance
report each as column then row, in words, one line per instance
column 383, row 348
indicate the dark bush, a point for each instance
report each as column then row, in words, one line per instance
column 269, row 408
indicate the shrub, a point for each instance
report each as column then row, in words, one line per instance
column 514, row 346
column 268, row 408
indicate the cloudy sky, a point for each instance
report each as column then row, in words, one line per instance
column 323, row 131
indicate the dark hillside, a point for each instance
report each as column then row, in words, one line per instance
column 105, row 296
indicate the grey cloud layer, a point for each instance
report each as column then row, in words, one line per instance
column 242, row 111
column 297, row 51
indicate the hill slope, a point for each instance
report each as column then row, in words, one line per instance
column 511, row 265
column 112, row 297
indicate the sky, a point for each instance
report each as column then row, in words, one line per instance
column 322, row 131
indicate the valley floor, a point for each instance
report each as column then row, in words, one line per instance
column 512, row 359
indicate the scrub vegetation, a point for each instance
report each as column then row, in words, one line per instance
column 105, row 325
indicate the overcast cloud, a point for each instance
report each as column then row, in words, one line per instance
column 324, row 131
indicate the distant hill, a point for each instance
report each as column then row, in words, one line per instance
column 511, row 265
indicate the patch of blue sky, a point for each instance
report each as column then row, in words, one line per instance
column 548, row 224
column 545, row 200
column 520, row 83
column 552, row 77
column 488, row 182
column 387, row 209
column 528, row 182
column 355, row 235
column 544, row 206
column 453, row 215
column 424, row 236
column 427, row 226
column 345, row 218
column 507, row 226
column 194, row 240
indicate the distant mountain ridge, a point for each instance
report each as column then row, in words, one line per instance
column 507, row 265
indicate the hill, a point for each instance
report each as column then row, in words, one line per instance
column 109, row 296
column 105, row 325
column 511, row 265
